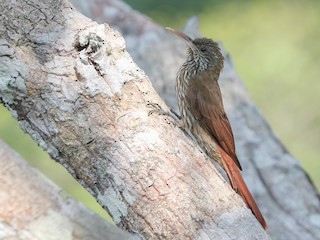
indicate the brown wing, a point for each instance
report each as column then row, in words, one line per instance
column 205, row 102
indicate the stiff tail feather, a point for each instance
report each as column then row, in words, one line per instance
column 240, row 186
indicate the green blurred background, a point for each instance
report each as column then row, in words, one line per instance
column 275, row 49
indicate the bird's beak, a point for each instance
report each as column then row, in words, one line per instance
column 184, row 37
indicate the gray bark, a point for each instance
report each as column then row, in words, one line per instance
column 32, row 207
column 283, row 190
column 73, row 87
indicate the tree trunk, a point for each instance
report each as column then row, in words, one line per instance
column 73, row 87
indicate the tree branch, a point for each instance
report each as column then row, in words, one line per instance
column 32, row 207
column 281, row 187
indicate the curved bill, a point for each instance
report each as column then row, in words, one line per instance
column 183, row 36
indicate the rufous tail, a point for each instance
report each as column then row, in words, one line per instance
column 239, row 185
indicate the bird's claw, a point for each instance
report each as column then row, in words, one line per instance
column 159, row 110
column 156, row 109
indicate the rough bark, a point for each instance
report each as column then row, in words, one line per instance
column 74, row 88
column 281, row 187
column 32, row 207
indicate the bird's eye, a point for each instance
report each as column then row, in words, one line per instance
column 203, row 49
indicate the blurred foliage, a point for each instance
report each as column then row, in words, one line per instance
column 275, row 48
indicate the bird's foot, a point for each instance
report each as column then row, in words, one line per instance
column 157, row 109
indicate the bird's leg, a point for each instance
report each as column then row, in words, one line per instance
column 157, row 109
column 160, row 111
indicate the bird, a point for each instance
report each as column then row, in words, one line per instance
column 202, row 112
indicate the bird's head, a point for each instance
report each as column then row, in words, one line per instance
column 203, row 51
